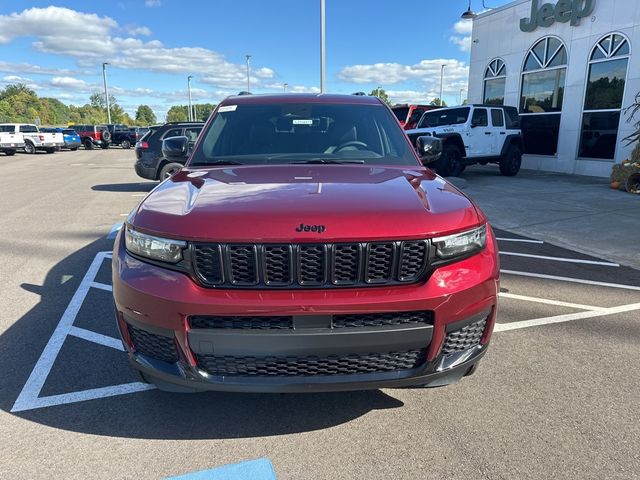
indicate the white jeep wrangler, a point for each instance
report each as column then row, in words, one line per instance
column 473, row 134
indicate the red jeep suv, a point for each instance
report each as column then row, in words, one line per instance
column 304, row 247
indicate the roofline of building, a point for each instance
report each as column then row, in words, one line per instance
column 500, row 9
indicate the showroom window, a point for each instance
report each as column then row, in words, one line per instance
column 603, row 97
column 495, row 77
column 543, row 78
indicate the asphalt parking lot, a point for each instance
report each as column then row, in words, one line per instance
column 556, row 396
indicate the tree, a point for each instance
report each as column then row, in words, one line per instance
column 178, row 113
column 381, row 94
column 145, row 115
column 436, row 102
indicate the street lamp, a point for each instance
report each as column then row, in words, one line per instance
column 460, row 102
column 248, row 80
column 441, row 83
column 189, row 90
column 322, row 49
column 284, row 87
column 378, row 91
column 469, row 14
column 106, row 91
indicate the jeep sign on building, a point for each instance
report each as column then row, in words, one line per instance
column 571, row 69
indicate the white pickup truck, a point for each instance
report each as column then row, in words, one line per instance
column 10, row 142
column 34, row 139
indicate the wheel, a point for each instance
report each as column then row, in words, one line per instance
column 450, row 163
column 29, row 148
column 511, row 161
column 8, row 153
column 88, row 144
column 126, row 144
column 50, row 150
column 104, row 146
column 168, row 170
column 105, row 136
column 73, row 149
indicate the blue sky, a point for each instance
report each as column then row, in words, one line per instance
column 153, row 45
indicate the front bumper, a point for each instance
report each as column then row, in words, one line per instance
column 160, row 302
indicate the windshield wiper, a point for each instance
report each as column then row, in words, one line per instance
column 326, row 160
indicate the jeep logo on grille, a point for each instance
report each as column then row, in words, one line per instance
column 311, row 228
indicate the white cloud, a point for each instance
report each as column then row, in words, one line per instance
column 9, row 67
column 463, row 30
column 153, row 3
column 16, row 79
column 70, row 83
column 137, row 31
column 53, row 26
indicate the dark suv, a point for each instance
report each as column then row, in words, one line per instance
column 123, row 135
column 304, row 247
column 150, row 163
column 93, row 135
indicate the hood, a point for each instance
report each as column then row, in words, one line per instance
column 304, row 203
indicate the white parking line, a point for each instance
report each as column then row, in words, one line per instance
column 139, row 195
column 504, row 327
column 546, row 301
column 101, row 286
column 96, row 338
column 560, row 259
column 571, row 280
column 519, row 240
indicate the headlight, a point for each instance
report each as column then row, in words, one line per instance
column 154, row 248
column 461, row 244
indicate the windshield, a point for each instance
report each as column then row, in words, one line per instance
column 401, row 113
column 439, row 118
column 303, row 133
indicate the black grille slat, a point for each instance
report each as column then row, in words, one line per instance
column 382, row 319
column 155, row 346
column 292, row 366
column 241, row 323
column 464, row 338
column 413, row 260
column 379, row 262
column 277, row 264
column 310, row 265
column 243, row 264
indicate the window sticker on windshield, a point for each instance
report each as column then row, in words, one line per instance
column 228, row 108
column 301, row 121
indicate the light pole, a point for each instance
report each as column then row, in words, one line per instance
column 322, row 49
column 378, row 92
column 460, row 102
column 189, row 90
column 248, row 57
column 284, row 87
column 106, row 91
column 441, row 83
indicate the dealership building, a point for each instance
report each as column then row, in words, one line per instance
column 571, row 67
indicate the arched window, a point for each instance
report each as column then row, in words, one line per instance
column 543, row 78
column 495, row 77
column 603, row 98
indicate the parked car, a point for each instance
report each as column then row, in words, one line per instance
column 10, row 141
column 150, row 163
column 304, row 247
column 123, row 135
column 71, row 138
column 139, row 130
column 93, row 135
column 474, row 134
column 408, row 114
column 34, row 139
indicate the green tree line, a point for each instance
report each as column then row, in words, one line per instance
column 20, row 104
column 180, row 113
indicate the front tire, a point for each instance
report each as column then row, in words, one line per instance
column 126, row 144
column 73, row 149
column 29, row 148
column 450, row 163
column 511, row 161
column 105, row 146
column 88, row 144
column 168, row 170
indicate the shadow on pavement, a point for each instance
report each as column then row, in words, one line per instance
column 152, row 414
column 125, row 187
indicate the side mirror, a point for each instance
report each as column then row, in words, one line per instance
column 429, row 149
column 175, row 147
